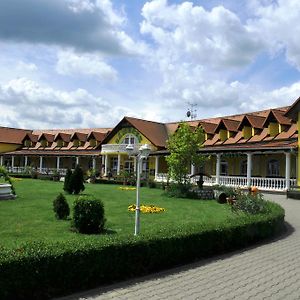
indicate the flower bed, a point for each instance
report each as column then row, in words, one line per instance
column 147, row 209
column 125, row 188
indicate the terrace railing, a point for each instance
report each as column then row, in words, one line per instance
column 262, row 183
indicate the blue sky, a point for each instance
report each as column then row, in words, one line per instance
column 87, row 63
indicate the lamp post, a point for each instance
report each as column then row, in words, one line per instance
column 143, row 152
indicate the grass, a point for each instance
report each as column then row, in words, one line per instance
column 31, row 218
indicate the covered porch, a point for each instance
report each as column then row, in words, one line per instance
column 274, row 170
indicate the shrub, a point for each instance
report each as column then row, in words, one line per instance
column 181, row 191
column 67, row 185
column 61, row 207
column 151, row 184
column 77, row 180
column 251, row 203
column 88, row 215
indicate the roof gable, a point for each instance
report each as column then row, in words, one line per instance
column 155, row 132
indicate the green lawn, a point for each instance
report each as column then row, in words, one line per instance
column 31, row 217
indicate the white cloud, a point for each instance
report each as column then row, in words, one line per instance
column 32, row 105
column 186, row 32
column 70, row 63
column 278, row 24
column 88, row 26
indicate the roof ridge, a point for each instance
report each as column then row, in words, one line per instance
column 149, row 121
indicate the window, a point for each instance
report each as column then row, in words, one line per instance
column 224, row 168
column 273, row 168
column 129, row 139
column 243, row 168
column 129, row 166
column 114, row 164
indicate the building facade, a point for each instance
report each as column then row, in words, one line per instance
column 252, row 149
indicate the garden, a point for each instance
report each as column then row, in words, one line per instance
column 42, row 256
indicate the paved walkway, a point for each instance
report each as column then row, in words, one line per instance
column 269, row 271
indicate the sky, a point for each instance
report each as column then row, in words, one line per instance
column 89, row 63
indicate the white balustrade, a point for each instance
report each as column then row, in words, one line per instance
column 262, row 183
column 119, row 148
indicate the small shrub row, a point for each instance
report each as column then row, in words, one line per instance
column 88, row 214
column 42, row 271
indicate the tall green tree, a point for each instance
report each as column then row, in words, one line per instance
column 183, row 146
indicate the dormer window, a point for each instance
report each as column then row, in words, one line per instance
column 76, row 143
column 60, row 143
column 93, row 142
column 28, row 143
column 223, row 134
column 129, row 139
column 44, row 143
column 247, row 132
column 273, row 128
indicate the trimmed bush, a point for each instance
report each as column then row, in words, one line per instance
column 88, row 215
column 43, row 271
column 67, row 185
column 77, row 180
column 61, row 207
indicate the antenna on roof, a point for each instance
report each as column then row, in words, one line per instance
column 192, row 111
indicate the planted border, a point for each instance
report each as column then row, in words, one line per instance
column 42, row 271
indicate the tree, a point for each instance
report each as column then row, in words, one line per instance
column 183, row 146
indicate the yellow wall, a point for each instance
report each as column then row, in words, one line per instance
column 273, row 129
column 8, row 147
column 298, row 126
column 223, row 134
column 120, row 135
column 247, row 132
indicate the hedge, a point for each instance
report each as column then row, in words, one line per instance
column 42, row 271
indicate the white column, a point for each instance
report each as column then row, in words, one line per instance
column 41, row 163
column 105, row 164
column 218, row 168
column 25, row 161
column 57, row 163
column 287, row 169
column 1, row 160
column 249, row 168
column 94, row 163
column 156, row 166
column 77, row 160
column 12, row 161
column 119, row 164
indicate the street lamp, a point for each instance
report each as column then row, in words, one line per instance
column 142, row 153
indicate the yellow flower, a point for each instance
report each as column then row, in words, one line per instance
column 150, row 209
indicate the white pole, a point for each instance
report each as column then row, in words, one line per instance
column 105, row 165
column 218, row 168
column 287, row 169
column 137, row 205
column 249, row 167
column 77, row 160
column 12, row 161
column 57, row 162
column 134, row 164
column 156, row 166
column 119, row 164
column 41, row 163
column 1, row 160
column 193, row 169
column 94, row 163
column 26, row 161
